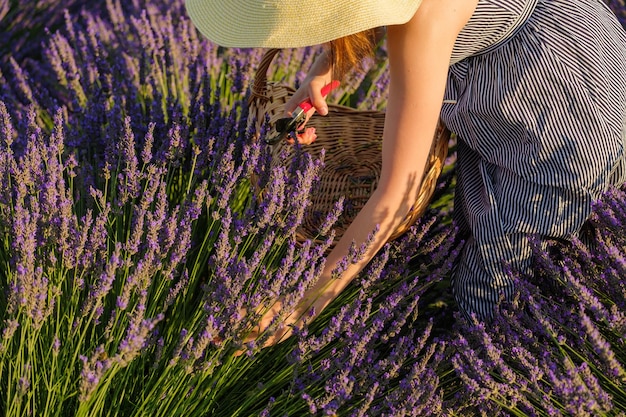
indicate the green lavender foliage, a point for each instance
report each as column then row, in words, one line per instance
column 139, row 220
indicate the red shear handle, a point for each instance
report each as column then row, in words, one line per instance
column 306, row 105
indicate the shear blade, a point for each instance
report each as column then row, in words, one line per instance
column 285, row 127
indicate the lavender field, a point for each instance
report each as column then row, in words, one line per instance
column 138, row 220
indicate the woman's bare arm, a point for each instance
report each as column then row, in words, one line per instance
column 419, row 54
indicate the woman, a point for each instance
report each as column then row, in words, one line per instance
column 534, row 89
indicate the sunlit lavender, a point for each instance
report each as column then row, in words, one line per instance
column 139, row 219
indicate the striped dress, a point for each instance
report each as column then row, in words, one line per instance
column 536, row 94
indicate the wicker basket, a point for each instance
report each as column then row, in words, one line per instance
column 352, row 140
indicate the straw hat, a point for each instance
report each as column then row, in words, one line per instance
column 292, row 23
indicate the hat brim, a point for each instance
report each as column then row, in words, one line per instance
column 292, row 24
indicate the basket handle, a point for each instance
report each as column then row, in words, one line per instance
column 259, row 87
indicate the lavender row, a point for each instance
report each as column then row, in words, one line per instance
column 139, row 222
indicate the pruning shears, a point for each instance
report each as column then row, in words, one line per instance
column 288, row 126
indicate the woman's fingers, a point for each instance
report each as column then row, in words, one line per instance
column 304, row 137
column 281, row 333
column 294, row 101
column 317, row 99
column 311, row 91
column 266, row 320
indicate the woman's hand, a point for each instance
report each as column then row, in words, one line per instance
column 319, row 76
column 285, row 328
column 283, row 332
column 313, row 301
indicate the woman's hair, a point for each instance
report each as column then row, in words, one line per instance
column 348, row 52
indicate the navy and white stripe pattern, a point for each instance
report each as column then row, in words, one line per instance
column 541, row 122
column 491, row 24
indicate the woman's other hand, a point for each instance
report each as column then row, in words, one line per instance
column 313, row 301
column 283, row 330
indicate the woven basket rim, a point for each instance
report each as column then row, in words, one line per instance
column 266, row 93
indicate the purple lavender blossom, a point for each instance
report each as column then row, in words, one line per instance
column 134, row 207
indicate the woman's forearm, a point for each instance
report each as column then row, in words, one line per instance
column 384, row 211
